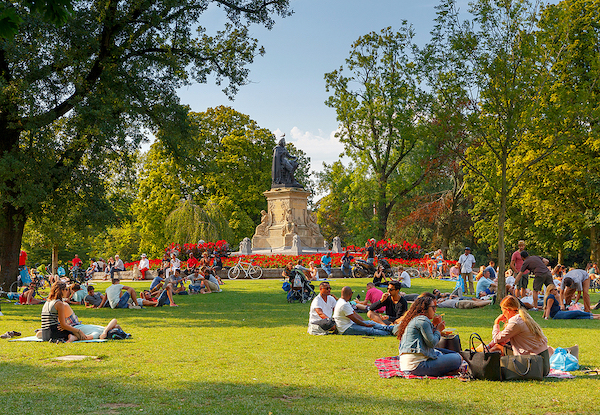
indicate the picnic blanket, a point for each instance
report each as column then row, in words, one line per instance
column 390, row 367
column 35, row 339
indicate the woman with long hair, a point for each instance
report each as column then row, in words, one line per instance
column 525, row 335
column 55, row 326
column 419, row 332
column 552, row 308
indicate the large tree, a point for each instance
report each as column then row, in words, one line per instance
column 111, row 70
column 494, row 70
column 381, row 110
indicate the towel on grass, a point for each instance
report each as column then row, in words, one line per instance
column 35, row 339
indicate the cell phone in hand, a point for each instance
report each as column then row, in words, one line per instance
column 358, row 296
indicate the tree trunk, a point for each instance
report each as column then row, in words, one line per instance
column 12, row 221
column 561, row 256
column 54, row 258
column 594, row 244
column 501, row 251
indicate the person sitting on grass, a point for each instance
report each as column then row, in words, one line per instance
column 54, row 316
column 196, row 281
column 379, row 278
column 394, row 303
column 320, row 316
column 28, row 295
column 348, row 322
column 552, row 308
column 158, row 281
column 117, row 298
column 91, row 331
column 520, row 331
column 176, row 281
column 373, row 295
column 404, row 277
column 93, row 299
column 419, row 332
column 211, row 285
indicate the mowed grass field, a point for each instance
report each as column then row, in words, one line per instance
column 246, row 351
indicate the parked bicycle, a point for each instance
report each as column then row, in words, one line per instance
column 249, row 269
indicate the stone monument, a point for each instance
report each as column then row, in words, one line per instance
column 287, row 214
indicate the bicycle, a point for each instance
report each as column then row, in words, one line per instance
column 251, row 270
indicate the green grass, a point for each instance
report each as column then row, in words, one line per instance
column 246, row 351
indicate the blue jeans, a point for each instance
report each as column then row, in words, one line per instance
column 376, row 330
column 572, row 314
column 445, row 362
column 163, row 299
column 327, row 269
column 123, row 300
column 346, row 269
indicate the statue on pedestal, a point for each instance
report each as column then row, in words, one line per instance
column 284, row 166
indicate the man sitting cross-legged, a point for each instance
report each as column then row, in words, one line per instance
column 394, row 303
column 348, row 322
column 176, row 281
column 117, row 298
column 211, row 285
column 320, row 317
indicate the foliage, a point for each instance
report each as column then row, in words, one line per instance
column 81, row 94
column 380, row 109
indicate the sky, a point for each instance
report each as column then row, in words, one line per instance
column 286, row 93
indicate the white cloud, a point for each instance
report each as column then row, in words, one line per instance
column 320, row 147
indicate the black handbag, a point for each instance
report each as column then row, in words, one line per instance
column 450, row 342
column 482, row 365
column 523, row 367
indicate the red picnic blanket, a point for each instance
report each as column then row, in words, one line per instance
column 390, row 367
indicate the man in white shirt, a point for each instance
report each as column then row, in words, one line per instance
column 321, row 311
column 466, row 261
column 403, row 277
column 117, row 298
column 348, row 322
column 144, row 266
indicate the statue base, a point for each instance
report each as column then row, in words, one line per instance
column 287, row 217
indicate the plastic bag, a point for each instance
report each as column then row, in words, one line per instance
column 563, row 360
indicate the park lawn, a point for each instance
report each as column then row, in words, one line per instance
column 246, row 351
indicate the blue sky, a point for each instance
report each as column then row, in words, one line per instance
column 287, row 89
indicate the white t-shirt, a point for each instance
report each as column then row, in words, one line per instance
column 466, row 262
column 144, row 263
column 405, row 279
column 510, row 280
column 113, row 294
column 326, row 307
column 340, row 314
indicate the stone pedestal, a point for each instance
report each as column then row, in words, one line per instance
column 287, row 216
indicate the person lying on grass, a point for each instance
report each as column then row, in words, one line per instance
column 94, row 299
column 158, row 298
column 419, row 332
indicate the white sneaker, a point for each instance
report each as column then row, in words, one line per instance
column 135, row 306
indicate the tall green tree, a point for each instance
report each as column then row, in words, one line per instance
column 110, row 71
column 381, row 110
column 504, row 78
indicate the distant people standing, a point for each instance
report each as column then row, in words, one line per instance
column 516, row 262
column 77, row 262
column 466, row 261
column 370, row 251
column 542, row 275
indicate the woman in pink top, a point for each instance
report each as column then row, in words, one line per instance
column 521, row 330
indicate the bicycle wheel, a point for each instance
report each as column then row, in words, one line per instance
column 255, row 272
column 413, row 272
column 233, row 272
column 14, row 287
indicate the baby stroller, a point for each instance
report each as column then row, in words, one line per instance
column 300, row 288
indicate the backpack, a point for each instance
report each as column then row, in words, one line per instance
column 117, row 334
column 297, row 281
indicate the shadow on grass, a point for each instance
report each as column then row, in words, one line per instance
column 80, row 387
